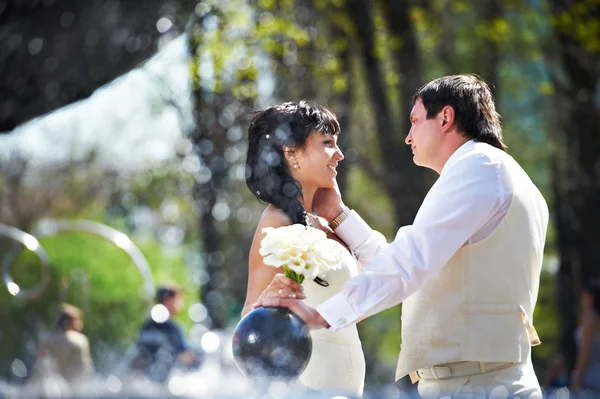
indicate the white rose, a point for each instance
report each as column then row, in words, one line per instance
column 312, row 235
column 328, row 254
column 298, row 265
column 305, row 250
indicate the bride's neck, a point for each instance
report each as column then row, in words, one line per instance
column 307, row 198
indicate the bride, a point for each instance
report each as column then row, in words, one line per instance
column 292, row 152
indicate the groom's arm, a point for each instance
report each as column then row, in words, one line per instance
column 464, row 199
column 360, row 238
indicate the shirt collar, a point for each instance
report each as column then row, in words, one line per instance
column 463, row 149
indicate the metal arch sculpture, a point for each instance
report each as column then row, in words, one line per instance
column 32, row 244
column 51, row 227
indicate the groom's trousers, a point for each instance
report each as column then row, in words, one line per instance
column 518, row 380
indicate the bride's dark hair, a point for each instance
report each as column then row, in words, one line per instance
column 267, row 171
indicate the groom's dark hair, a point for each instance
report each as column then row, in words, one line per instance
column 475, row 113
column 267, row 171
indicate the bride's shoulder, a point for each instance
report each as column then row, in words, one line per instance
column 273, row 217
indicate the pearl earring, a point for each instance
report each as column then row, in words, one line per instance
column 295, row 166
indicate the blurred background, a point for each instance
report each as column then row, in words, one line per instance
column 133, row 114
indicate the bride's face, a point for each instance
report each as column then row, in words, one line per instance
column 317, row 162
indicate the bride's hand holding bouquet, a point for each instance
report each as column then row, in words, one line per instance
column 303, row 252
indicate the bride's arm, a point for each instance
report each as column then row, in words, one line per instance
column 266, row 280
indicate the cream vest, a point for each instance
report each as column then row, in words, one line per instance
column 480, row 306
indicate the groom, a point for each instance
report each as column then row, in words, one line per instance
column 467, row 270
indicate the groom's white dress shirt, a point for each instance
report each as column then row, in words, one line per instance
column 464, row 206
column 482, row 223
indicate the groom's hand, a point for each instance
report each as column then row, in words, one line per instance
column 310, row 315
column 328, row 203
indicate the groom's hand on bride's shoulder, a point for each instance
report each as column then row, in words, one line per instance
column 310, row 315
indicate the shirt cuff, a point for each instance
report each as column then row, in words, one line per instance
column 337, row 312
column 353, row 231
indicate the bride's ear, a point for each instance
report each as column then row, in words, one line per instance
column 290, row 154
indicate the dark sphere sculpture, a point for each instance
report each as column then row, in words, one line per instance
column 272, row 341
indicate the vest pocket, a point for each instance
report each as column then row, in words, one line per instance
column 496, row 332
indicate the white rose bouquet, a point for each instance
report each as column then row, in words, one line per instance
column 302, row 251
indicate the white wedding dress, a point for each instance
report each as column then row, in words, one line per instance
column 337, row 363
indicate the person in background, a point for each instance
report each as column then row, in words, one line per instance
column 585, row 378
column 66, row 351
column 161, row 344
column 556, row 375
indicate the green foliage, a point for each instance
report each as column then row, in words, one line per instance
column 380, row 336
column 580, row 22
column 379, row 207
column 98, row 277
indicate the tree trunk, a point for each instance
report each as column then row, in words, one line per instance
column 567, row 238
column 209, row 139
column 577, row 177
column 493, row 11
column 403, row 179
column 343, row 102
column 206, row 196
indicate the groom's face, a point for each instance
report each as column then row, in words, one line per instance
column 424, row 137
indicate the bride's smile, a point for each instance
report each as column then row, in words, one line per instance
column 315, row 165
